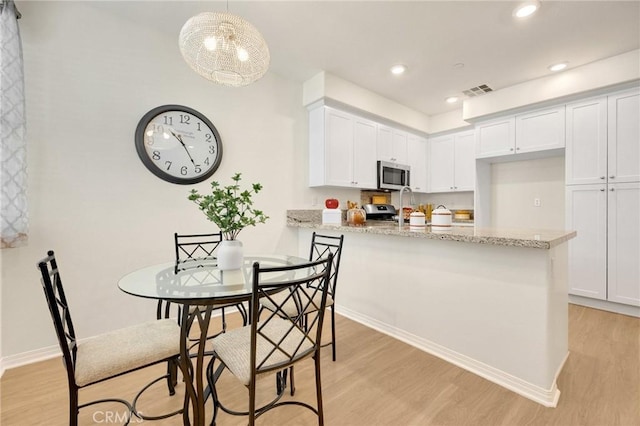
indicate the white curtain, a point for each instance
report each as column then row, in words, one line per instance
column 13, row 151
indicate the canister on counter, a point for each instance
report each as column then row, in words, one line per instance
column 416, row 221
column 441, row 218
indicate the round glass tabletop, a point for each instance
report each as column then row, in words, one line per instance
column 205, row 282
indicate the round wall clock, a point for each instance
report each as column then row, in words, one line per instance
column 178, row 144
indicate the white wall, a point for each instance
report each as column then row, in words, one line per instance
column 90, row 77
column 330, row 89
column 515, row 185
column 566, row 85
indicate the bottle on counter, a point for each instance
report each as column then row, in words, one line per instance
column 428, row 210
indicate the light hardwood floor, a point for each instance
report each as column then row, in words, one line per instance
column 378, row 380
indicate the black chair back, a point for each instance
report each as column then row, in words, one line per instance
column 309, row 293
column 192, row 251
column 196, row 250
column 59, row 309
column 321, row 247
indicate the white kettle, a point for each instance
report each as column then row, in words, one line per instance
column 441, row 218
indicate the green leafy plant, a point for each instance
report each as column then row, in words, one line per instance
column 230, row 207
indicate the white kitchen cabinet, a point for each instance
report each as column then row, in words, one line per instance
column 417, row 160
column 342, row 149
column 603, row 160
column 451, row 162
column 365, row 173
column 586, row 152
column 623, row 249
column 603, row 139
column 586, row 213
column 495, row 138
column 603, row 258
column 392, row 145
column 623, row 154
column 535, row 131
column 540, row 130
column 465, row 161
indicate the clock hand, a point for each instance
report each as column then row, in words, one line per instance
column 183, row 145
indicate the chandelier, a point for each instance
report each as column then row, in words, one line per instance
column 224, row 48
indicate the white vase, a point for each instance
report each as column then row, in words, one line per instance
column 230, row 255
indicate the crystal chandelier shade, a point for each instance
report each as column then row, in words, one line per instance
column 224, row 48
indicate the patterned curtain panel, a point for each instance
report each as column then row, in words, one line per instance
column 13, row 152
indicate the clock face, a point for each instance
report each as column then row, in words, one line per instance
column 178, row 144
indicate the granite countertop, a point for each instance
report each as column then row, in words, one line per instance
column 532, row 238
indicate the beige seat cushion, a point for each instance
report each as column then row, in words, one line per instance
column 233, row 347
column 119, row 351
column 290, row 307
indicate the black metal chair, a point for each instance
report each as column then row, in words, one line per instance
column 321, row 247
column 276, row 340
column 196, row 251
column 108, row 355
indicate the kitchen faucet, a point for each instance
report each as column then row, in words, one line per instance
column 401, row 213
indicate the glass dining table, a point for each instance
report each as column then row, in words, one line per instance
column 199, row 289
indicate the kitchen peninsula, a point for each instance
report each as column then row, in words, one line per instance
column 493, row 302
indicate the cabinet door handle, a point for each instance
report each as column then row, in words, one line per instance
column 602, row 177
column 612, row 177
column 602, row 190
column 518, row 149
column 510, row 149
column 612, row 189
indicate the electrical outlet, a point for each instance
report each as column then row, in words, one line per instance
column 314, row 201
column 536, row 202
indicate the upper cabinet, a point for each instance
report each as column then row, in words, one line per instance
column 586, row 155
column 392, row 145
column 535, row 131
column 465, row 162
column 603, row 139
column 623, row 155
column 417, row 159
column 496, row 137
column 342, row 149
column 451, row 162
column 365, row 173
column 540, row 130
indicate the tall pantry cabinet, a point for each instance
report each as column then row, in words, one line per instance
column 603, row 197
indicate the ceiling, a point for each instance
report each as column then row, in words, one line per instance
column 360, row 41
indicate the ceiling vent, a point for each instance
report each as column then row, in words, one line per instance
column 477, row 91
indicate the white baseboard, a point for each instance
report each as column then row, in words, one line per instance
column 546, row 397
column 605, row 305
column 29, row 357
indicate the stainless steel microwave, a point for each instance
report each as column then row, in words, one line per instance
column 393, row 176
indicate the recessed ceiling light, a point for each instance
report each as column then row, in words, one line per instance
column 558, row 67
column 452, row 99
column 526, row 9
column 398, row 69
